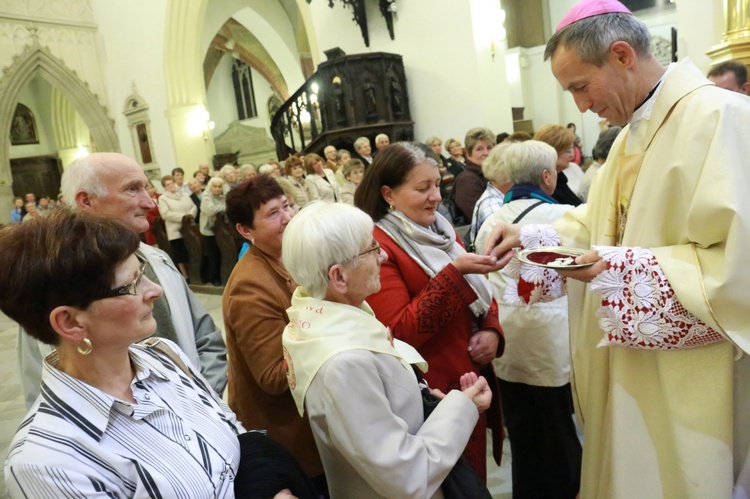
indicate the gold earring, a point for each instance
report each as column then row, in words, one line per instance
column 390, row 206
column 87, row 346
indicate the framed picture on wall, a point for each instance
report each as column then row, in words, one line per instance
column 23, row 128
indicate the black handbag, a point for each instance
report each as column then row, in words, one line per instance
column 462, row 482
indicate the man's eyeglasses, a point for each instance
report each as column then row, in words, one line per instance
column 128, row 289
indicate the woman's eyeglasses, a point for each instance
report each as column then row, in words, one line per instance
column 375, row 247
column 128, row 289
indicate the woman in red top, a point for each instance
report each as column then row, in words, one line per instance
column 151, row 215
column 432, row 294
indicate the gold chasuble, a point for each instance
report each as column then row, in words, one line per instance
column 670, row 423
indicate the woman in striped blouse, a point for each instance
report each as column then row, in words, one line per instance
column 115, row 418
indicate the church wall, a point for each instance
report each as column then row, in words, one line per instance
column 453, row 82
column 132, row 40
column 222, row 104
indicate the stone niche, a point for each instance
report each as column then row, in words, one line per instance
column 253, row 143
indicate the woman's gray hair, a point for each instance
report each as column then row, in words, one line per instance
column 360, row 142
column 266, row 169
column 81, row 176
column 431, row 139
column 527, row 160
column 217, row 181
column 322, row 235
column 494, row 166
column 247, row 167
column 604, row 142
column 591, row 38
column 225, row 169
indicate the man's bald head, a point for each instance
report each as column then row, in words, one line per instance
column 109, row 183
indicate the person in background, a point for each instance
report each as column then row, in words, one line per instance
column 178, row 174
column 562, row 140
column 381, row 142
column 518, row 137
column 206, row 169
column 534, row 371
column 31, row 212
column 436, row 145
column 16, row 214
column 496, row 172
column 213, row 204
column 229, row 176
column 330, row 154
column 364, row 150
column 196, row 191
column 374, row 440
column 577, row 149
column 470, row 184
column 353, row 173
column 151, row 215
column 173, row 206
column 342, row 158
column 248, row 171
column 255, row 302
column 115, row 185
column 295, row 175
column 433, row 294
column 200, row 177
column 730, row 75
column 269, row 169
column 321, row 181
column 454, row 164
column 600, row 152
column 30, row 197
column 43, row 207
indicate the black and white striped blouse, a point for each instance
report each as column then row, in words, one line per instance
column 179, row 440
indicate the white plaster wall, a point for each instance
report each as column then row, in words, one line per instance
column 132, row 46
column 37, row 97
column 221, row 102
column 700, row 26
column 453, row 84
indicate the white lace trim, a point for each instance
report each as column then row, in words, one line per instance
column 531, row 283
column 639, row 307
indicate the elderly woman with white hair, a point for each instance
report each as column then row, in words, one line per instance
column 229, row 176
column 213, row 203
column 534, row 372
column 356, row 383
column 498, row 183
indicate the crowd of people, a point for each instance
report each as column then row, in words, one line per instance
column 380, row 320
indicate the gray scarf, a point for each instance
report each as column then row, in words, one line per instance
column 432, row 249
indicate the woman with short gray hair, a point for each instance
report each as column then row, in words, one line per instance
column 374, row 440
column 498, row 183
column 534, row 372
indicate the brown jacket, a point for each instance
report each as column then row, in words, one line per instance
column 255, row 301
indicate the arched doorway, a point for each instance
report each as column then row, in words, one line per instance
column 37, row 61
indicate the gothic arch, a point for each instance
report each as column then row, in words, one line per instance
column 37, row 60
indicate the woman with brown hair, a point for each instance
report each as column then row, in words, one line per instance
column 321, row 181
column 569, row 182
column 116, row 417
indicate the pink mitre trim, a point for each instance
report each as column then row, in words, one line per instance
column 591, row 8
